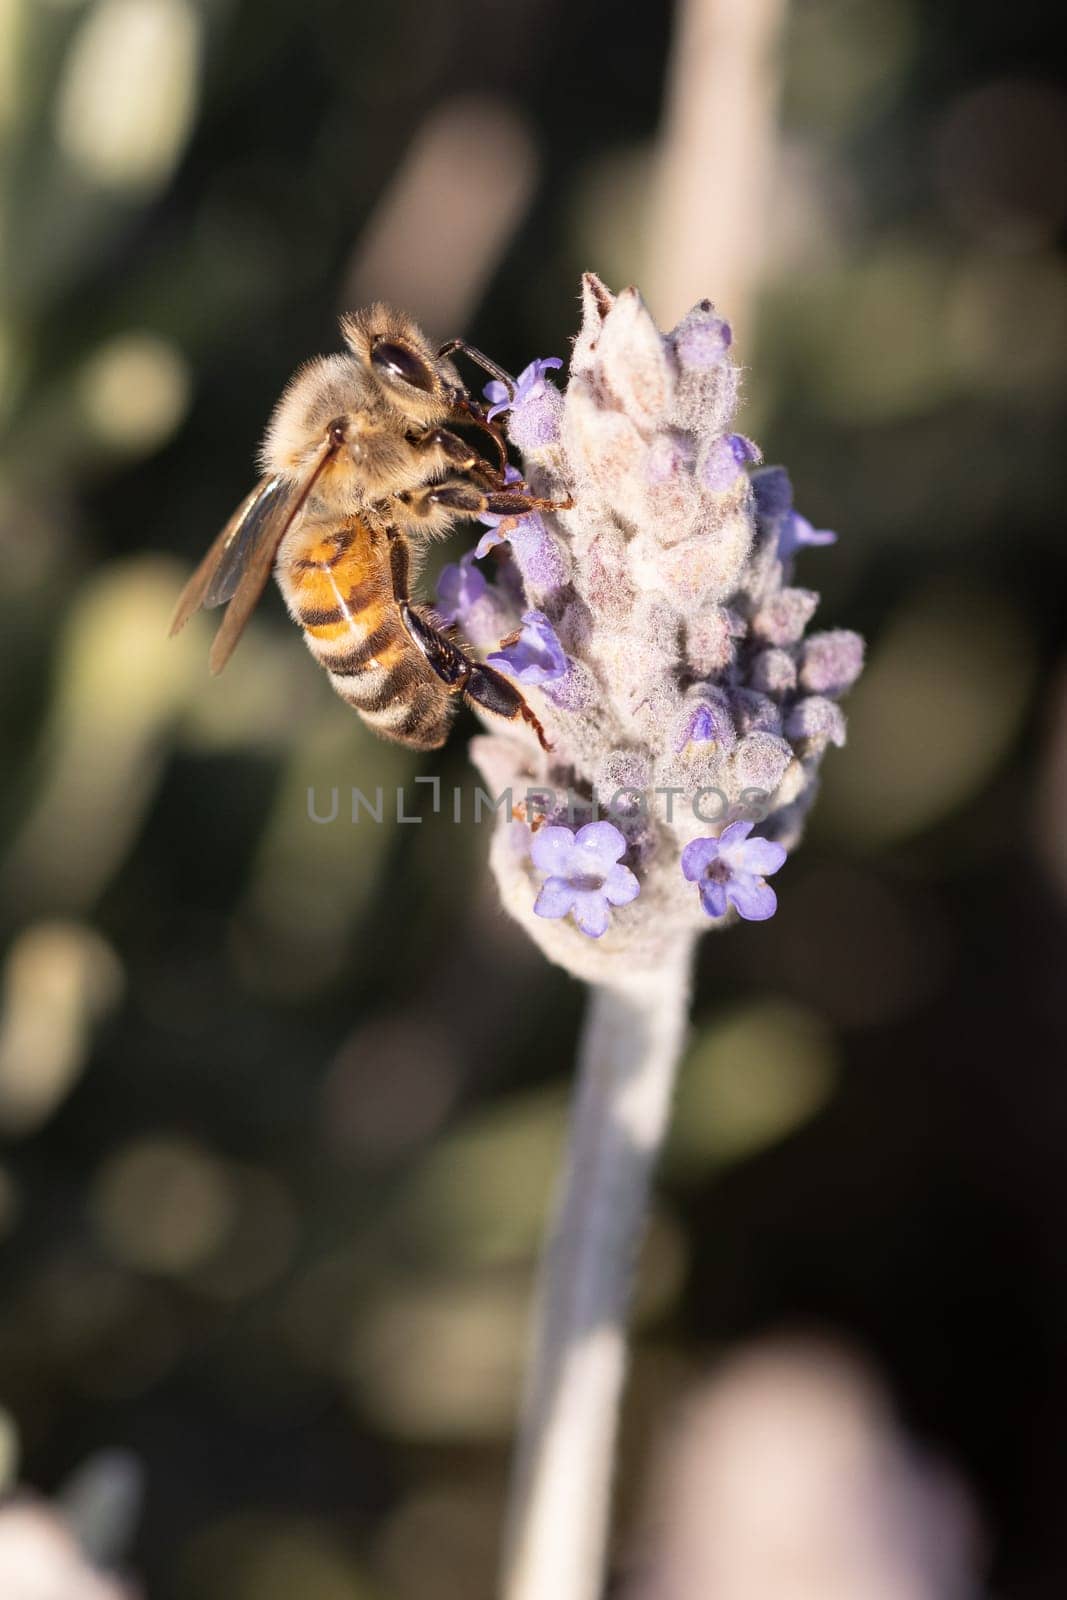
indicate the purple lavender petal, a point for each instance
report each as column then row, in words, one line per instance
column 713, row 898
column 585, row 875
column 555, row 898
column 753, row 899
column 536, row 656
column 709, row 721
column 458, row 587
column 796, row 532
column 620, row 886
column 598, row 846
column 591, row 912
column 533, row 376
column 552, row 850
column 807, row 534
column 732, row 838
column 701, row 726
column 760, row 857
column 698, row 856
column 529, row 385
column 489, row 541
column 774, row 492
column 510, row 584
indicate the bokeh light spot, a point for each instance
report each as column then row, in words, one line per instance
column 59, row 980
column 845, row 57
column 480, row 1196
column 389, row 1087
column 279, row 1557
column 747, row 1082
column 442, row 1360
column 164, row 1205
column 119, row 682
column 9, row 1450
column 133, row 392
column 932, row 717
column 259, row 1241
column 128, row 93
column 442, row 1541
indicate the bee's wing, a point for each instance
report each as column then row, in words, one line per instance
column 217, row 576
column 237, row 566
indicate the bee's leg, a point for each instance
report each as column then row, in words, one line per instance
column 459, row 455
column 465, row 499
column 467, row 410
column 491, row 690
column 478, row 684
column 486, row 363
column 514, row 502
column 464, row 408
column 399, row 567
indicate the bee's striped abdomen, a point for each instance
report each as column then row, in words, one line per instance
column 339, row 587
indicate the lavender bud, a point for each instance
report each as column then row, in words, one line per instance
column 783, row 616
column 774, row 672
column 816, row 722
column 831, row 662
column 755, row 712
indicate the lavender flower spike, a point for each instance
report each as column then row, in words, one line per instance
column 660, row 635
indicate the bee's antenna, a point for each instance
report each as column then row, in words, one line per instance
column 480, row 360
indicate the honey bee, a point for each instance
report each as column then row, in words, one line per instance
column 360, row 461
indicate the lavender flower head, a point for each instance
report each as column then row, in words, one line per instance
column 583, row 875
column 732, row 870
column 657, row 631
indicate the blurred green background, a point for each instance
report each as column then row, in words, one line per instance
column 281, row 1103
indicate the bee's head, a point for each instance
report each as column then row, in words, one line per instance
column 399, row 361
column 361, row 405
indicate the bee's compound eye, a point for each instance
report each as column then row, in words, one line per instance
column 399, row 362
